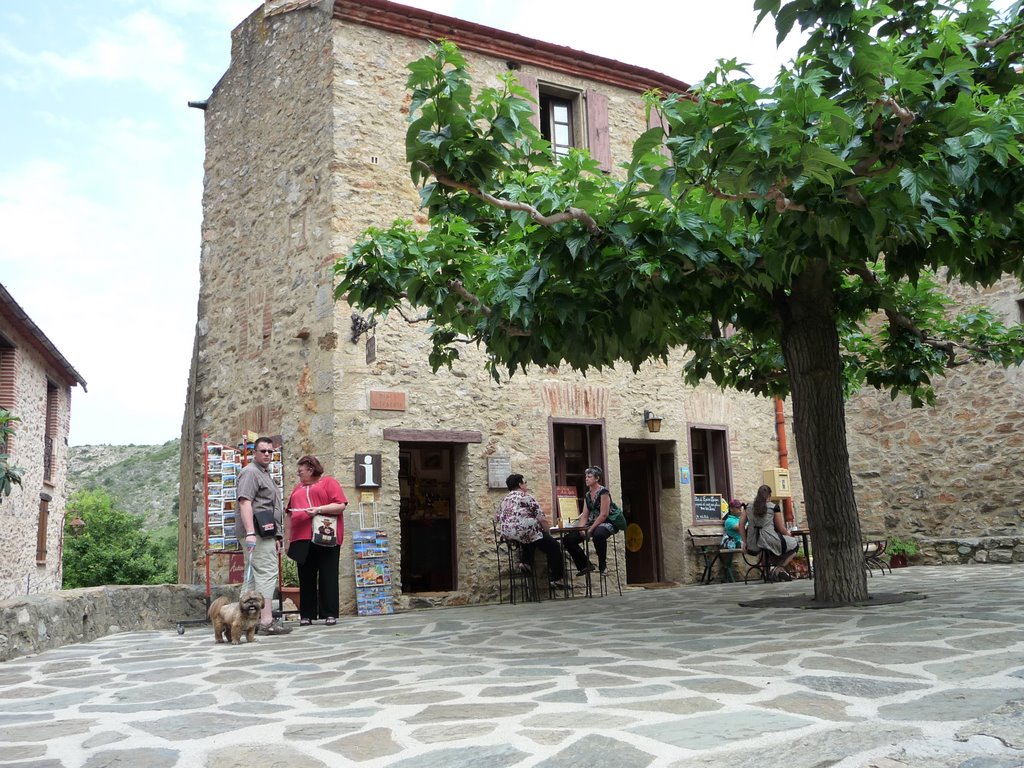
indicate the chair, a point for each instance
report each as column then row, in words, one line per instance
column 873, row 551
column 761, row 563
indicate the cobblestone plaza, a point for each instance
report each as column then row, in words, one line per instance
column 657, row 678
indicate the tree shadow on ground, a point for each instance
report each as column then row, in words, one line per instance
column 808, row 601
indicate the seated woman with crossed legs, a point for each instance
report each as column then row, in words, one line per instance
column 598, row 502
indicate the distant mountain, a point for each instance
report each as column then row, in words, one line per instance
column 142, row 479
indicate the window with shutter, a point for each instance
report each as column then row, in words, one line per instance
column 568, row 118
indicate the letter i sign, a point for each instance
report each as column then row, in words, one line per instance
column 367, row 470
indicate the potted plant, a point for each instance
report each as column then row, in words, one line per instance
column 289, row 581
column 899, row 550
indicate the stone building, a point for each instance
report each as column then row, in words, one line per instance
column 35, row 385
column 948, row 476
column 305, row 149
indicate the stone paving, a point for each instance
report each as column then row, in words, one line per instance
column 660, row 678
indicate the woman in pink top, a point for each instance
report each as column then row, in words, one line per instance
column 316, row 494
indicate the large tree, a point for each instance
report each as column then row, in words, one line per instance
column 815, row 219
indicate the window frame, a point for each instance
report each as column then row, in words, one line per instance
column 719, row 470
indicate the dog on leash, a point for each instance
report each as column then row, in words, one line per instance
column 232, row 620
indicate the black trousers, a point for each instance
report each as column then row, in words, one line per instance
column 573, row 545
column 318, row 583
column 550, row 548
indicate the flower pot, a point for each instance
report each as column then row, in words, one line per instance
column 290, row 593
column 898, row 561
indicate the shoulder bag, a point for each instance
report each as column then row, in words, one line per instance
column 325, row 527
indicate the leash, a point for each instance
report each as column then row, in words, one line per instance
column 248, row 572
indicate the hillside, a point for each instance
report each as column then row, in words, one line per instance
column 142, row 479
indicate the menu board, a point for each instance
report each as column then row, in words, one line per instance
column 707, row 507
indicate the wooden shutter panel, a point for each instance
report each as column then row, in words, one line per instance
column 597, row 129
column 529, row 82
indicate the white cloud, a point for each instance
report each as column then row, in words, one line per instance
column 111, row 279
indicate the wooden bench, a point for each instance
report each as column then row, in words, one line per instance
column 707, row 541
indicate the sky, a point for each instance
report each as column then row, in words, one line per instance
column 101, row 171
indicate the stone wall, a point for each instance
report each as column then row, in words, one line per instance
column 19, row 513
column 305, row 149
column 1008, row 548
column 953, row 471
column 266, row 327
column 37, row 623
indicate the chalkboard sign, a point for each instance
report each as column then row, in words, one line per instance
column 707, row 507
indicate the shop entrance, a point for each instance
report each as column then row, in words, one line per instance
column 425, row 479
column 638, row 470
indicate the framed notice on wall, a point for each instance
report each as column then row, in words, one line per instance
column 498, row 470
column 707, row 508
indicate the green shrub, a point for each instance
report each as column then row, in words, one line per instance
column 898, row 546
column 112, row 548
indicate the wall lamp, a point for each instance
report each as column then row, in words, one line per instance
column 653, row 422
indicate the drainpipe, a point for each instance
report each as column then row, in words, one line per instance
column 780, row 434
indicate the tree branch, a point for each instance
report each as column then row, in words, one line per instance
column 1002, row 38
column 903, row 322
column 456, row 287
column 904, row 116
column 782, row 203
column 573, row 214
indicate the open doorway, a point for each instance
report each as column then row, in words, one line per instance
column 638, row 468
column 425, row 479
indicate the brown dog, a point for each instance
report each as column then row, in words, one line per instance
column 232, row 620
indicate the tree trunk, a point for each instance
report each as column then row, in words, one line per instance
column 810, row 343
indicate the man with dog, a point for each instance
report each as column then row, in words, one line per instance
column 258, row 494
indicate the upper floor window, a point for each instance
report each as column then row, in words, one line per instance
column 569, row 118
column 556, row 124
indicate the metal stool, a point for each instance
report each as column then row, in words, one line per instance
column 613, row 540
column 507, row 553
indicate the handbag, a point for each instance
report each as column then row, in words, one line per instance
column 298, row 551
column 616, row 517
column 325, row 530
column 325, row 527
column 265, row 523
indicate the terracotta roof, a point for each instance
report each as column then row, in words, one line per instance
column 11, row 310
column 414, row 22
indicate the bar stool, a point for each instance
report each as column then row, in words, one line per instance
column 569, row 568
column 507, row 554
column 613, row 540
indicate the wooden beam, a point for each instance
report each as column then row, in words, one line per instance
column 401, row 435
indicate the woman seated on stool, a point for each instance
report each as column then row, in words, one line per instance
column 598, row 500
column 764, row 528
column 521, row 519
